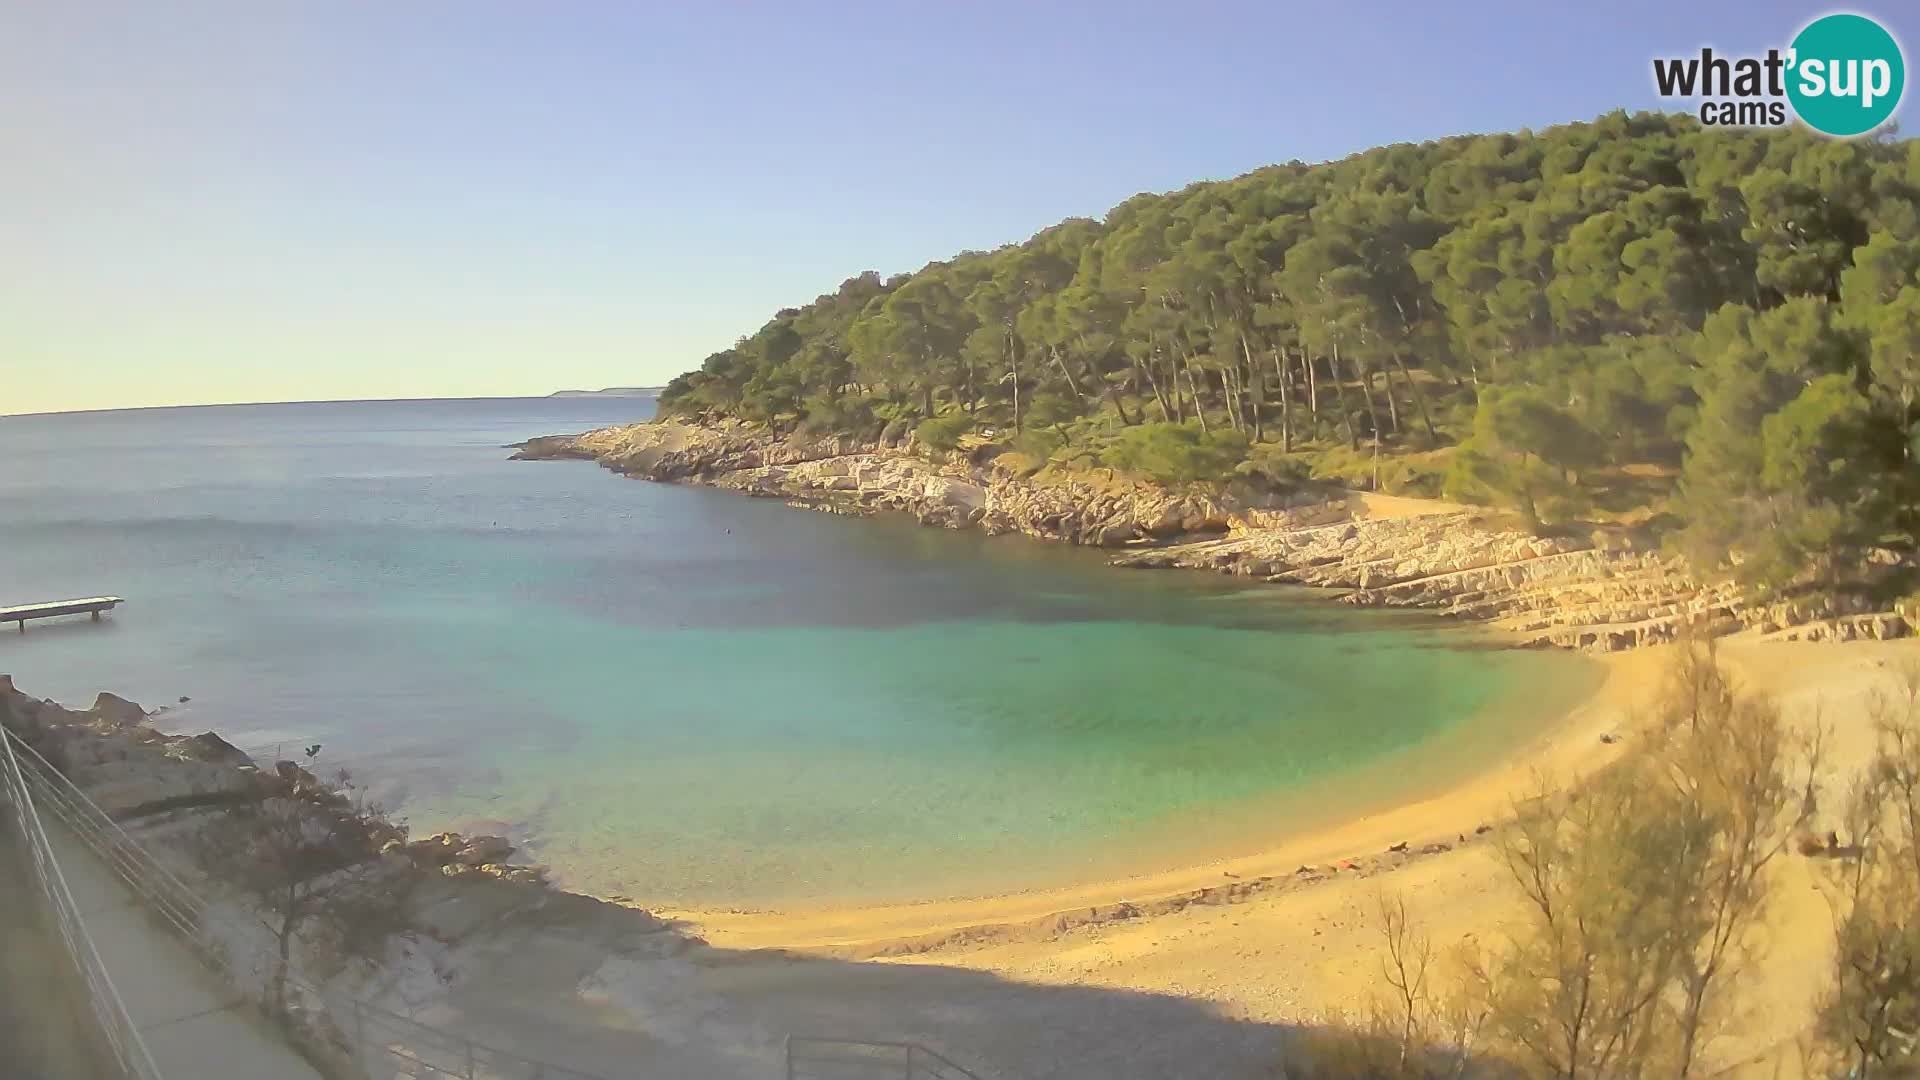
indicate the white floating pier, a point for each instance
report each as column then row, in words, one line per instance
column 91, row 605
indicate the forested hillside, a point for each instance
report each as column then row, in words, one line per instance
column 1716, row 333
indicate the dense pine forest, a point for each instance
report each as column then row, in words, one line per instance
column 1712, row 334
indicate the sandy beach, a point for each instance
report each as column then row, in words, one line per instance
column 1301, row 947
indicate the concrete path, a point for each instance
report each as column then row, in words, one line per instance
column 46, row 1029
column 196, row 1026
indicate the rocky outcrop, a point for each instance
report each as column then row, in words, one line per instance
column 210, row 747
column 841, row 473
column 406, row 917
column 452, row 854
column 127, row 767
column 115, row 709
column 134, row 772
column 549, row 447
column 1876, row 626
column 1603, row 592
column 1600, row 594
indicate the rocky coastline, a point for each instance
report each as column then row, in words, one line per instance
column 459, row 900
column 1604, row 591
column 134, row 771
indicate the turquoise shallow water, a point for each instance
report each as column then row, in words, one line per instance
column 693, row 698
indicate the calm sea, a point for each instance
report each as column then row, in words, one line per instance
column 693, row 698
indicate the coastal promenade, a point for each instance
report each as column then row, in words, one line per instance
column 154, row 960
column 123, row 997
column 45, row 1025
column 192, row 1023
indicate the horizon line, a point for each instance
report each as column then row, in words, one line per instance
column 561, row 394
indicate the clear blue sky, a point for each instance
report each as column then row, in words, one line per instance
column 279, row 201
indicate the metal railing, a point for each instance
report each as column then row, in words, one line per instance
column 379, row 1042
column 117, row 1029
column 819, row 1058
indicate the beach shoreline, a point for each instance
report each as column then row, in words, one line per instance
column 1313, row 953
column 1606, row 587
column 1307, row 949
column 1417, row 820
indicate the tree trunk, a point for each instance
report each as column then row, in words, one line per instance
column 1013, row 367
column 1346, row 411
column 1179, row 392
column 1159, row 396
column 1364, row 377
column 1393, row 404
column 1286, row 404
column 1313, row 390
column 1419, row 399
column 1199, row 408
column 1175, row 394
column 1071, row 381
column 1259, row 384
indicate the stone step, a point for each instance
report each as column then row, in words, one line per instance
column 1598, row 615
column 1877, row 626
column 1555, row 559
column 1614, row 637
column 1601, row 592
column 1550, row 608
column 1560, row 591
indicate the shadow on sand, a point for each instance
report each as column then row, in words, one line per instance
column 608, row 989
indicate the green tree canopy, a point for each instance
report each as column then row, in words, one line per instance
column 1554, row 310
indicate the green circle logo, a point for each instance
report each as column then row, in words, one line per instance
column 1846, row 76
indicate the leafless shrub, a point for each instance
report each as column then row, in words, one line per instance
column 1641, row 889
column 307, row 855
column 1869, row 1021
column 1408, row 1032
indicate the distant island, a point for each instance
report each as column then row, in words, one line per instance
column 612, row 391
